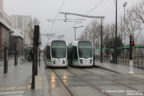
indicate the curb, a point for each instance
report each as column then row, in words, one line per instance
column 133, row 75
column 108, row 69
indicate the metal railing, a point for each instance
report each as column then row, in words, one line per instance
column 123, row 57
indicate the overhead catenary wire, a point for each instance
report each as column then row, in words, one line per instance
column 97, row 5
column 60, row 8
column 61, row 5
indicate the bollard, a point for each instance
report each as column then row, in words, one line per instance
column 131, row 64
column 5, row 60
column 15, row 55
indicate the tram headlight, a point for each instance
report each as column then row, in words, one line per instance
column 64, row 61
column 53, row 60
column 90, row 61
column 81, row 61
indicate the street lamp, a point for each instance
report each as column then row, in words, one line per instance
column 60, row 36
column 116, row 33
column 124, row 5
column 49, row 35
column 75, row 30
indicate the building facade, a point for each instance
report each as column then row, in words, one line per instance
column 24, row 23
column 5, row 29
column 16, row 42
column 1, row 5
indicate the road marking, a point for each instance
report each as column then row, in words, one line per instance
column 12, row 93
column 20, row 88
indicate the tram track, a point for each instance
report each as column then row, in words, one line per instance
column 66, row 87
column 69, row 89
column 88, row 83
column 81, row 72
column 61, row 81
column 86, row 70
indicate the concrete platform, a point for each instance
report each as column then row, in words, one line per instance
column 17, row 82
column 120, row 68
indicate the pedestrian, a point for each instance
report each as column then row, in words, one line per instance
column 30, row 57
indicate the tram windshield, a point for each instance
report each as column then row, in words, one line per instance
column 58, row 49
column 85, row 49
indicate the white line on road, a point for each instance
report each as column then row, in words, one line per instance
column 12, row 93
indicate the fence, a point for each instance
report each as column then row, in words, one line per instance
column 123, row 56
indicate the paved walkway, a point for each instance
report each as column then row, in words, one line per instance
column 120, row 68
column 17, row 82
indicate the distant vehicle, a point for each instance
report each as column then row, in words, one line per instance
column 80, row 53
column 55, row 54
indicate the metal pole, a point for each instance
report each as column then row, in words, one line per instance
column 101, row 59
column 124, row 5
column 33, row 69
column 131, row 55
column 16, row 55
column 36, row 59
column 5, row 60
column 75, row 33
column 39, row 57
column 130, row 51
column 33, row 64
column 124, row 24
column 35, row 47
column 116, row 36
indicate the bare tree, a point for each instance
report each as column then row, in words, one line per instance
column 92, row 33
column 139, row 12
column 133, row 27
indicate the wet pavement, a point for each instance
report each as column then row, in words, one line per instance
column 17, row 82
column 71, row 81
column 121, row 68
column 92, row 82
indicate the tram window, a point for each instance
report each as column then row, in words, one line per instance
column 58, row 49
column 48, row 52
column 75, row 52
column 85, row 49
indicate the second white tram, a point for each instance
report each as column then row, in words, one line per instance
column 81, row 54
column 55, row 54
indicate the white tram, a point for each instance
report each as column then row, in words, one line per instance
column 55, row 54
column 81, row 54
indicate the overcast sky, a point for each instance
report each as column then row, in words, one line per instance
column 48, row 9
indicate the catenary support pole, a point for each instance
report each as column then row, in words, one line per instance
column 116, row 36
column 101, row 59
